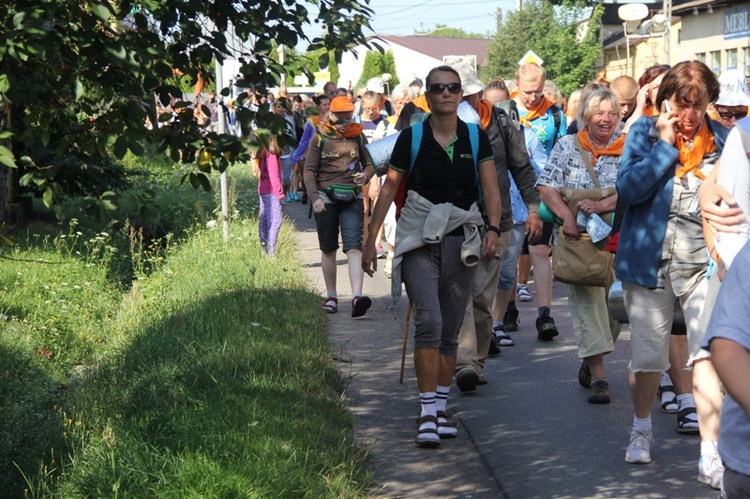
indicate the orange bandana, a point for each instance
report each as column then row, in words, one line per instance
column 421, row 103
column 613, row 149
column 537, row 112
column 650, row 110
column 691, row 157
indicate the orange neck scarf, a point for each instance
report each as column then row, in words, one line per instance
column 421, row 103
column 613, row 149
column 537, row 112
column 650, row 110
column 691, row 157
column 484, row 109
column 331, row 131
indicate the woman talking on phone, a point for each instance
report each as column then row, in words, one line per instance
column 662, row 254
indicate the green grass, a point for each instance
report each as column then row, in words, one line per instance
column 210, row 376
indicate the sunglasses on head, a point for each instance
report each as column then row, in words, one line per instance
column 728, row 115
column 439, row 88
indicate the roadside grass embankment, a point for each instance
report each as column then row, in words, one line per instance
column 210, row 376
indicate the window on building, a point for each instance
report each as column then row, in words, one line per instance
column 716, row 62
column 732, row 59
column 746, row 50
column 701, row 57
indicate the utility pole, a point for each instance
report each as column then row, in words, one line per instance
column 499, row 19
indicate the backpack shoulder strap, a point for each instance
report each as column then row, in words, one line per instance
column 557, row 118
column 416, row 142
column 474, row 140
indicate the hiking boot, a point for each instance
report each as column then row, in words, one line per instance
column 584, row 376
column 546, row 329
column 639, row 448
column 467, row 380
column 360, row 304
column 523, row 294
column 599, row 393
column 711, row 471
column 510, row 321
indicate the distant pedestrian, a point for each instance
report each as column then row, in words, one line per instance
column 270, row 195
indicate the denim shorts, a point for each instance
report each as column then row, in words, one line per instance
column 286, row 170
column 348, row 216
column 507, row 278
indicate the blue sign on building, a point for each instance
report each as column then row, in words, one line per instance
column 737, row 23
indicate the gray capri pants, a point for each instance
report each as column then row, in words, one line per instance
column 439, row 287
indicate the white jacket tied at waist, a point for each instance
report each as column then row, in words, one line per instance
column 423, row 223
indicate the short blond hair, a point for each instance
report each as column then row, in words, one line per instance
column 531, row 72
column 624, row 87
column 592, row 103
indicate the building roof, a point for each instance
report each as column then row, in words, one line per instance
column 437, row 46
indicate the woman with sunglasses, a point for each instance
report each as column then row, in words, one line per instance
column 661, row 254
column 439, row 238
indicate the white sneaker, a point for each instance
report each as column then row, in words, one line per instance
column 639, row 449
column 523, row 294
column 711, row 471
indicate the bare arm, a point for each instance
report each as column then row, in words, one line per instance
column 732, row 363
column 493, row 204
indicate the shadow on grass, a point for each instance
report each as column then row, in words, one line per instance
column 234, row 397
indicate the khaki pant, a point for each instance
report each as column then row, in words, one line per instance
column 476, row 330
column 595, row 330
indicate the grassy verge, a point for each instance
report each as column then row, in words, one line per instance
column 210, row 377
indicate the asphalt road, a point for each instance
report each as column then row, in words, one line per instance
column 528, row 433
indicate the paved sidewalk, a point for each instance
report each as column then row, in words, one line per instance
column 529, row 433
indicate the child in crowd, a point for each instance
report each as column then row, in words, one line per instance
column 270, row 194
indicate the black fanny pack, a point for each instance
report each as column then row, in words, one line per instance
column 341, row 194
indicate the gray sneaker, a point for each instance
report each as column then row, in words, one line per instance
column 639, row 448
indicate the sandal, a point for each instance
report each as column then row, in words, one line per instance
column 427, row 433
column 668, row 399
column 331, row 305
column 446, row 426
column 687, row 421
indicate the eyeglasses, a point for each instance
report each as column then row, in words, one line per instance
column 439, row 88
column 728, row 115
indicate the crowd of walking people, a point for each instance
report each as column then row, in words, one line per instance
column 633, row 182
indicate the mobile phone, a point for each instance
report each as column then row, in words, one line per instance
column 667, row 107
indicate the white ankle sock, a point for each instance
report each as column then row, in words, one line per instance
column 643, row 424
column 709, row 449
column 497, row 323
column 685, row 400
column 441, row 397
column 427, row 400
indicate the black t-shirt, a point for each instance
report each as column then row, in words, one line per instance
column 442, row 175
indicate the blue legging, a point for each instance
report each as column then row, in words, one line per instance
column 269, row 223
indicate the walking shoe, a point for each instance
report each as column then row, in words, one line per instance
column 523, row 294
column 494, row 348
column 360, row 304
column 510, row 321
column 501, row 338
column 467, row 380
column 295, row 196
column 288, row 198
column 584, row 376
column 639, row 448
column 599, row 393
column 711, row 471
column 445, row 425
column 546, row 329
column 427, row 432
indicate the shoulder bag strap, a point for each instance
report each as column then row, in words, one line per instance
column 587, row 161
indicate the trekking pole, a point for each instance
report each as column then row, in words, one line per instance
column 406, row 338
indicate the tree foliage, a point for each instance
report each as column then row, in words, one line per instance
column 80, row 77
column 443, row 30
column 553, row 34
column 376, row 64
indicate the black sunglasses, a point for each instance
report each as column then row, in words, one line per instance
column 728, row 115
column 439, row 88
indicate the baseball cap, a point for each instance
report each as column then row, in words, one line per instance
column 734, row 90
column 469, row 79
column 341, row 104
column 375, row 85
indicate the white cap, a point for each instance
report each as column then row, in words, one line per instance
column 375, row 85
column 469, row 80
column 734, row 90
